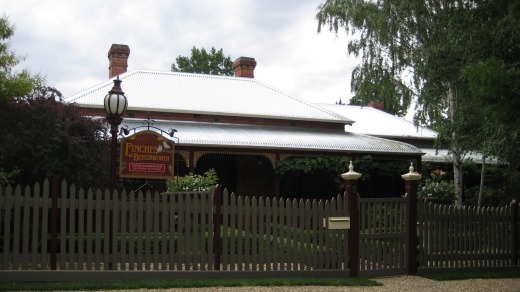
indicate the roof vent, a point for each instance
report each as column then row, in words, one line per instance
column 118, row 59
column 244, row 67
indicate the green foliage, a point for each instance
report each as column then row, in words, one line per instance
column 455, row 58
column 200, row 61
column 43, row 137
column 7, row 176
column 336, row 165
column 182, row 283
column 332, row 164
column 495, row 93
column 436, row 186
column 193, row 182
column 381, row 35
column 12, row 84
column 416, row 49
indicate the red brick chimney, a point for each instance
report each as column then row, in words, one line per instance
column 244, row 67
column 118, row 59
column 377, row 105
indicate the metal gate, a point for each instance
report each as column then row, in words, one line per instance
column 383, row 237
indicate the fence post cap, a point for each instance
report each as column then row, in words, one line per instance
column 411, row 175
column 351, row 174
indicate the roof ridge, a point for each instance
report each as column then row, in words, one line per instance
column 230, row 91
column 304, row 101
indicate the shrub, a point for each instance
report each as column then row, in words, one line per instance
column 437, row 186
column 193, row 182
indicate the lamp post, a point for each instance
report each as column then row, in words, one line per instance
column 115, row 105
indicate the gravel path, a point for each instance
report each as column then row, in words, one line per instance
column 400, row 283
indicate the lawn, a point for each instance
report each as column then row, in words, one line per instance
column 165, row 284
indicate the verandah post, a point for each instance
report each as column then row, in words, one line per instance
column 351, row 178
column 217, row 218
column 411, row 183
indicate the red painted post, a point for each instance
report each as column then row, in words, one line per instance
column 514, row 233
column 217, row 218
column 411, row 183
column 351, row 178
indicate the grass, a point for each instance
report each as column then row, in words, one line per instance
column 165, row 284
column 465, row 275
column 197, row 283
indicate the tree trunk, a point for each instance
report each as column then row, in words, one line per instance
column 455, row 150
column 482, row 174
column 457, row 174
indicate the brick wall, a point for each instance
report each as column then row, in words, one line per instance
column 220, row 119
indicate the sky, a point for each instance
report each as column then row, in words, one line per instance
column 67, row 41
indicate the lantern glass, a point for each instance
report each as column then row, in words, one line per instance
column 115, row 104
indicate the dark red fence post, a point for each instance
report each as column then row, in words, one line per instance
column 351, row 178
column 411, row 183
column 217, row 218
column 514, row 233
column 54, row 221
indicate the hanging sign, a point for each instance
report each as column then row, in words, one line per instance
column 146, row 154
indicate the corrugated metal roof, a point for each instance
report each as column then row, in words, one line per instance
column 371, row 121
column 444, row 156
column 206, row 94
column 266, row 137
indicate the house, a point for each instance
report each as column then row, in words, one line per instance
column 372, row 120
column 239, row 126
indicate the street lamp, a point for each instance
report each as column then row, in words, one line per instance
column 115, row 105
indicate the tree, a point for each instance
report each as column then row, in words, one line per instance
column 42, row 137
column 419, row 50
column 12, row 84
column 213, row 63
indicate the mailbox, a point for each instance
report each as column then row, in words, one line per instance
column 336, row 222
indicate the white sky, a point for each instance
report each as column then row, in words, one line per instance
column 68, row 41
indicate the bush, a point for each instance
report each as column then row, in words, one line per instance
column 437, row 186
column 193, row 182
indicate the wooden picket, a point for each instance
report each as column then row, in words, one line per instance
column 383, row 234
column 266, row 234
column 151, row 231
column 143, row 228
column 128, row 231
column 465, row 237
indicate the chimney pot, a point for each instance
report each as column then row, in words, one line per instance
column 118, row 59
column 244, row 67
